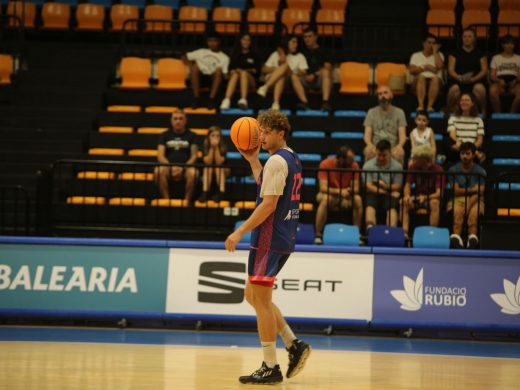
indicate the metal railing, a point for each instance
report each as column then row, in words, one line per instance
column 15, row 209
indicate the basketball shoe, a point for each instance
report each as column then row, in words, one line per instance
column 264, row 375
column 299, row 351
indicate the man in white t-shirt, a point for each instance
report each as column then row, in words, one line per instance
column 426, row 66
column 213, row 64
column 505, row 75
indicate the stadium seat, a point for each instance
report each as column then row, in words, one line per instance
column 232, row 16
column 211, row 204
column 292, row 17
column 171, row 74
column 106, row 151
column 135, row 72
column 477, row 4
column 188, row 15
column 19, row 9
column 431, row 237
column 143, row 152
column 340, row 234
column 308, row 134
column 334, row 4
column 261, row 16
column 382, row 235
column 90, row 17
column 354, row 78
column 151, row 130
column 159, row 13
column 120, row 108
column 136, row 176
column 346, row 135
column 169, row 203
column 305, row 234
column 86, row 200
column 96, row 175
column 246, row 204
column 6, row 69
column 480, row 17
column 510, row 17
column 330, row 16
column 267, row 4
column 441, row 22
column 120, row 13
column 246, row 238
column 56, row 16
column 116, row 129
column 386, row 72
column 126, row 201
column 161, row 109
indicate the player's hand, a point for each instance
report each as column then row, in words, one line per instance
column 250, row 155
column 232, row 240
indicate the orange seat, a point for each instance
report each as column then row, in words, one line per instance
column 200, row 110
column 135, row 72
column 300, row 4
column 94, row 175
column 161, row 109
column 171, row 73
column 508, row 212
column 106, row 151
column 442, row 4
column 124, row 201
column 232, row 16
column 90, row 200
column 90, row 16
column 120, row 13
column 306, row 206
column 119, row 108
column 330, row 16
column 211, row 204
column 143, row 152
column 480, row 17
column 482, row 5
column 339, row 5
column 151, row 130
column 511, row 5
column 293, row 16
column 158, row 12
column 246, row 204
column 6, row 68
column 56, row 16
column 169, row 203
column 116, row 129
column 188, row 15
column 27, row 9
column 137, row 176
column 354, row 77
column 386, row 70
column 266, row 19
column 440, row 18
column 267, row 4
column 509, row 16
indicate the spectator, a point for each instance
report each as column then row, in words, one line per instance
column 177, row 146
column 214, row 153
column 244, row 69
column 465, row 126
column 213, row 64
column 422, row 134
column 427, row 66
column 385, row 122
column 286, row 62
column 319, row 74
column 505, row 75
column 338, row 190
column 427, row 187
column 467, row 71
column 383, row 185
column 468, row 191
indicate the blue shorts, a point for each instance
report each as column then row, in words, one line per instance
column 263, row 266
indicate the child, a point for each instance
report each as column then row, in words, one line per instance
column 214, row 151
column 422, row 134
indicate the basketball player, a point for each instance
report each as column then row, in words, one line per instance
column 274, row 224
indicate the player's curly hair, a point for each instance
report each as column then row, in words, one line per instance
column 276, row 120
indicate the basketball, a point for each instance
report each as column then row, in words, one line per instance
column 245, row 133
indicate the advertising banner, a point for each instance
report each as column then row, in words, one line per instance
column 61, row 277
column 447, row 290
column 311, row 285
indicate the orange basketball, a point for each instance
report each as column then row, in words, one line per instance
column 245, row 133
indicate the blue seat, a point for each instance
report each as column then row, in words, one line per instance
column 341, row 234
column 509, row 186
column 170, row 3
column 308, row 134
column 346, row 135
column 309, row 157
column 506, row 138
column 233, row 155
column 237, row 111
column 283, row 110
column 438, row 137
column 305, row 234
column 311, row 113
column 431, row 237
column 226, row 132
column 246, row 238
column 234, row 4
column 431, row 115
column 309, row 181
column 505, row 116
column 382, row 235
column 350, row 113
column 506, row 161
column 208, row 4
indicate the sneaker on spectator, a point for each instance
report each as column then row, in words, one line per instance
column 211, row 104
column 473, row 242
column 304, row 106
column 325, row 106
column 262, row 91
column 456, row 242
column 226, row 103
column 242, row 104
column 275, row 106
column 318, row 240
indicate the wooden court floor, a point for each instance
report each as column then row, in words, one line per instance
column 120, row 366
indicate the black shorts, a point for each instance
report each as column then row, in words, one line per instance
column 263, row 266
column 384, row 202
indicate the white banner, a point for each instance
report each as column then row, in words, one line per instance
column 311, row 285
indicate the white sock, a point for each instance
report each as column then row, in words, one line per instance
column 269, row 349
column 287, row 336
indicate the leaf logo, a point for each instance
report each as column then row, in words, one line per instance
column 411, row 298
column 510, row 301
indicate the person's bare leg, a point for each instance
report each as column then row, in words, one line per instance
column 161, row 179
column 435, row 210
column 195, row 79
column 357, row 211
column 433, row 92
column 321, row 215
column 244, row 83
column 298, row 88
column 515, row 106
column 420, row 86
column 458, row 220
column 370, row 216
column 190, row 183
column 278, row 90
column 207, row 176
column 232, row 84
column 216, row 80
column 494, row 97
column 326, row 84
column 453, row 97
column 392, row 217
column 480, row 93
column 276, row 75
column 405, row 210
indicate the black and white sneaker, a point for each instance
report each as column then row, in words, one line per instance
column 456, row 242
column 264, row 376
column 473, row 242
column 299, row 351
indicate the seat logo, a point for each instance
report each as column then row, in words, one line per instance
column 510, row 301
column 225, row 288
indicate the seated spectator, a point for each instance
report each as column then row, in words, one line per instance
column 383, row 182
column 338, row 190
column 284, row 63
column 213, row 64
column 422, row 134
column 214, row 153
column 177, row 146
column 468, row 191
column 426, row 66
column 465, row 126
column 427, row 187
column 467, row 71
column 385, row 122
column 319, row 74
column 244, row 69
column 505, row 75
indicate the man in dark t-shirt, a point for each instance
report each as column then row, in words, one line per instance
column 319, row 74
column 177, row 145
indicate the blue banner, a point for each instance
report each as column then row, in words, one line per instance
column 61, row 277
column 434, row 290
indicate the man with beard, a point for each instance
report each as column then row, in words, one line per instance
column 385, row 122
column 338, row 190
